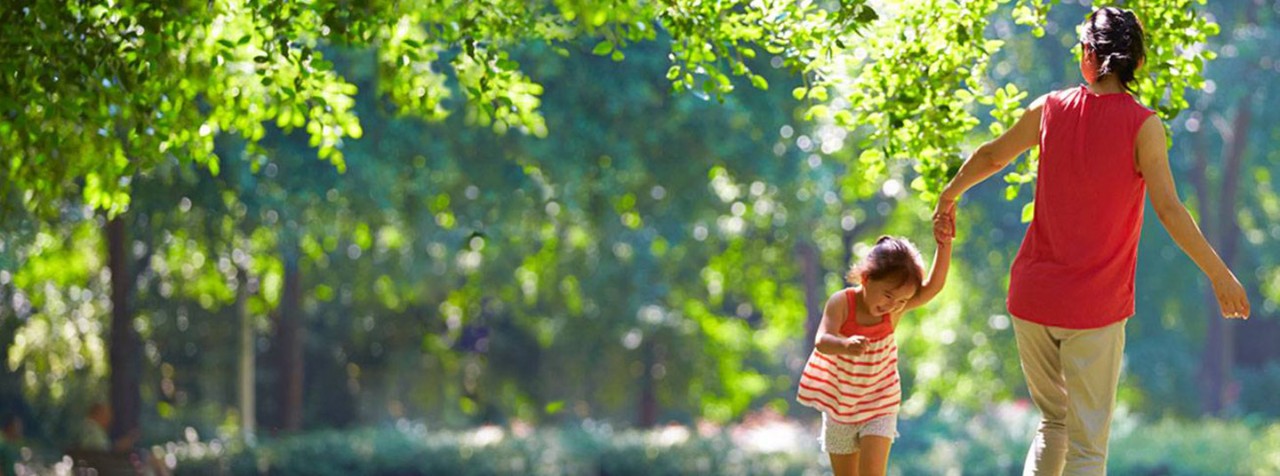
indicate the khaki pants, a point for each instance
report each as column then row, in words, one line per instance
column 1072, row 376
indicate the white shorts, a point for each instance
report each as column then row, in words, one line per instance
column 842, row 439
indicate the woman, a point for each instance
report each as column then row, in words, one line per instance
column 1071, row 285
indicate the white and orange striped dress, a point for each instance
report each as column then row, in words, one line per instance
column 850, row 389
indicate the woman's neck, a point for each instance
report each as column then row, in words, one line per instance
column 1106, row 85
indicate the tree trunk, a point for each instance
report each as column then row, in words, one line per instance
column 648, row 393
column 10, row 322
column 124, row 347
column 1217, row 392
column 248, row 417
column 814, row 291
column 289, row 346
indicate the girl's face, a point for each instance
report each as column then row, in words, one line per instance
column 1088, row 64
column 885, row 296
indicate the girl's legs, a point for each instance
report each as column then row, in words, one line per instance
column 859, row 450
column 875, row 455
column 844, row 464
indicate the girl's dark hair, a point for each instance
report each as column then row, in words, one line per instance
column 892, row 258
column 1116, row 38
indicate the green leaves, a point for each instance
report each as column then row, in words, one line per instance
column 1033, row 13
column 909, row 87
column 712, row 38
column 252, row 65
column 554, row 407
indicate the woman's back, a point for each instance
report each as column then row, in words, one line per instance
column 1075, row 267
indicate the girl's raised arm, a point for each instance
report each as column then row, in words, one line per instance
column 937, row 276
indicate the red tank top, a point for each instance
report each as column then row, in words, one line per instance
column 851, row 327
column 1076, row 264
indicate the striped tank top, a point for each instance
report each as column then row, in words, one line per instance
column 855, row 389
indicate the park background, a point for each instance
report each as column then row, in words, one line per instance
column 577, row 237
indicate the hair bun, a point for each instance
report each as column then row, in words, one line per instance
column 1117, row 40
column 1119, row 63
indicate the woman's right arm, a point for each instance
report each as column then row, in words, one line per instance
column 1153, row 164
column 829, row 341
column 993, row 156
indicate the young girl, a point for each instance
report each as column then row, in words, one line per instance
column 852, row 375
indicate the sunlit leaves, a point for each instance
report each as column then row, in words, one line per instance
column 504, row 98
column 910, row 86
column 713, row 40
column 147, row 83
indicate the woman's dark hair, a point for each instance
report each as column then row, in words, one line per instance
column 1116, row 38
column 892, row 258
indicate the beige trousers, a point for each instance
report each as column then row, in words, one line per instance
column 1072, row 376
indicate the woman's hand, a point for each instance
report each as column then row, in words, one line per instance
column 1232, row 299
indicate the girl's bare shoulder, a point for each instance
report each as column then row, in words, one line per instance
column 838, row 303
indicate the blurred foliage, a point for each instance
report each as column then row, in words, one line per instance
column 991, row 443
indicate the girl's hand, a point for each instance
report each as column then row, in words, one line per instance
column 1231, row 297
column 856, row 345
column 944, row 222
column 944, row 229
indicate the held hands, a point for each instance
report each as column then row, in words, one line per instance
column 856, row 345
column 1231, row 296
column 944, row 221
